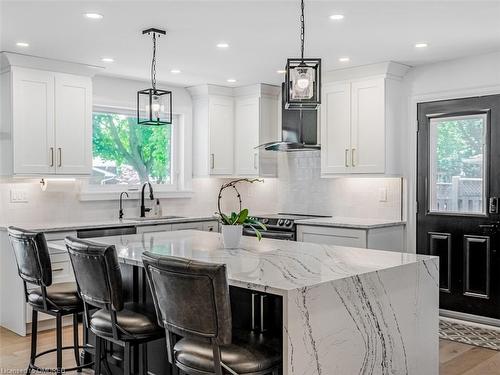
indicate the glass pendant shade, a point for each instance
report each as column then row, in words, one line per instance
column 154, row 107
column 303, row 84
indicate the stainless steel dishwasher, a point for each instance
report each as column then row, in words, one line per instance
column 105, row 232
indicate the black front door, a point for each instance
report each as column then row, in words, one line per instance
column 458, row 182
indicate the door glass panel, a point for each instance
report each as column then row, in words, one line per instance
column 457, row 167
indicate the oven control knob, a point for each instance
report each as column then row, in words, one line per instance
column 281, row 222
column 288, row 223
column 264, row 220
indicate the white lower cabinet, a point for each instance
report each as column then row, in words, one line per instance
column 208, row 226
column 390, row 238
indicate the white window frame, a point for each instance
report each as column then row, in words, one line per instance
column 180, row 186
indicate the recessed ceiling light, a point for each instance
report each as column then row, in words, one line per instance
column 231, row 80
column 281, row 71
column 222, row 45
column 344, row 59
column 175, row 71
column 420, row 45
column 337, row 17
column 93, row 16
column 22, row 44
column 107, row 59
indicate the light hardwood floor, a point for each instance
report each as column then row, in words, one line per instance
column 455, row 358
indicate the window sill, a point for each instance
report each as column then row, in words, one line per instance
column 89, row 195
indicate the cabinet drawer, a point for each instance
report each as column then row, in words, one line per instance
column 332, row 236
column 154, row 228
column 62, row 272
column 186, row 226
column 210, row 226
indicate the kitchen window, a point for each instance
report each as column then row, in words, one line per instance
column 125, row 154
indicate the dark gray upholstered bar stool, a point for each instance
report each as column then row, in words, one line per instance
column 99, row 283
column 34, row 267
column 192, row 302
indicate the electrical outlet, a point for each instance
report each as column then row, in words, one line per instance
column 382, row 194
column 18, row 196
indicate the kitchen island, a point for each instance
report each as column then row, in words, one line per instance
column 341, row 310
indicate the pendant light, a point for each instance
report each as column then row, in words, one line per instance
column 302, row 77
column 154, row 106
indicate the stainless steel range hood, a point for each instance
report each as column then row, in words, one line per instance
column 299, row 131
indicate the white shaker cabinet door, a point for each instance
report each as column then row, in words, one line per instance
column 368, row 126
column 247, row 137
column 221, row 120
column 335, row 129
column 33, row 121
column 73, row 154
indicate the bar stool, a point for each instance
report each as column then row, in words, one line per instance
column 34, row 267
column 99, row 283
column 192, row 301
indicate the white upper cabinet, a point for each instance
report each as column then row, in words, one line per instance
column 359, row 127
column 73, row 124
column 336, row 129
column 33, row 116
column 368, row 126
column 227, row 126
column 247, row 122
column 47, row 122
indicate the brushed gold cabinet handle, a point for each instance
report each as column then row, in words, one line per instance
column 254, row 161
column 212, row 161
column 60, row 156
column 57, row 269
column 51, row 157
column 352, row 157
column 346, row 156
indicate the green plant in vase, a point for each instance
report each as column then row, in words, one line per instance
column 233, row 223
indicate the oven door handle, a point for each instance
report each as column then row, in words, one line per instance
column 271, row 234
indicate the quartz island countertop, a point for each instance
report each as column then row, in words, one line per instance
column 345, row 310
column 270, row 265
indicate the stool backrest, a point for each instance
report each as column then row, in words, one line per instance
column 32, row 256
column 191, row 298
column 97, row 273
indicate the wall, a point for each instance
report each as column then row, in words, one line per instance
column 465, row 77
column 301, row 190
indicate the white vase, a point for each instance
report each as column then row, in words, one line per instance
column 231, row 236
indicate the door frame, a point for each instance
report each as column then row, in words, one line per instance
column 411, row 176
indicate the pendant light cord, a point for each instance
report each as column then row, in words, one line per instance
column 153, row 64
column 302, row 30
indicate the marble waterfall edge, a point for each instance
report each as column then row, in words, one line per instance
column 383, row 322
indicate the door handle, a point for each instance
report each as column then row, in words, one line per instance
column 51, row 157
column 60, row 157
column 353, row 150
column 346, row 156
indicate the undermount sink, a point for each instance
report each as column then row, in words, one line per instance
column 151, row 218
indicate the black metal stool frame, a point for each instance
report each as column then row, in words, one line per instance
column 48, row 307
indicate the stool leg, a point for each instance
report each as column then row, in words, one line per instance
column 59, row 343
column 144, row 359
column 98, row 354
column 34, row 334
column 127, row 359
column 75, row 340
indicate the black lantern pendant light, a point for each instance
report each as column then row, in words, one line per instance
column 154, row 106
column 303, row 77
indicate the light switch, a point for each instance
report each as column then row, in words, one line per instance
column 18, row 196
column 382, row 194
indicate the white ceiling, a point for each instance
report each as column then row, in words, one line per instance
column 261, row 34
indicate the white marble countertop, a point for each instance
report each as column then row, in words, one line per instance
column 350, row 222
column 269, row 265
column 67, row 226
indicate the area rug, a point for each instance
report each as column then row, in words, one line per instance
column 469, row 334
